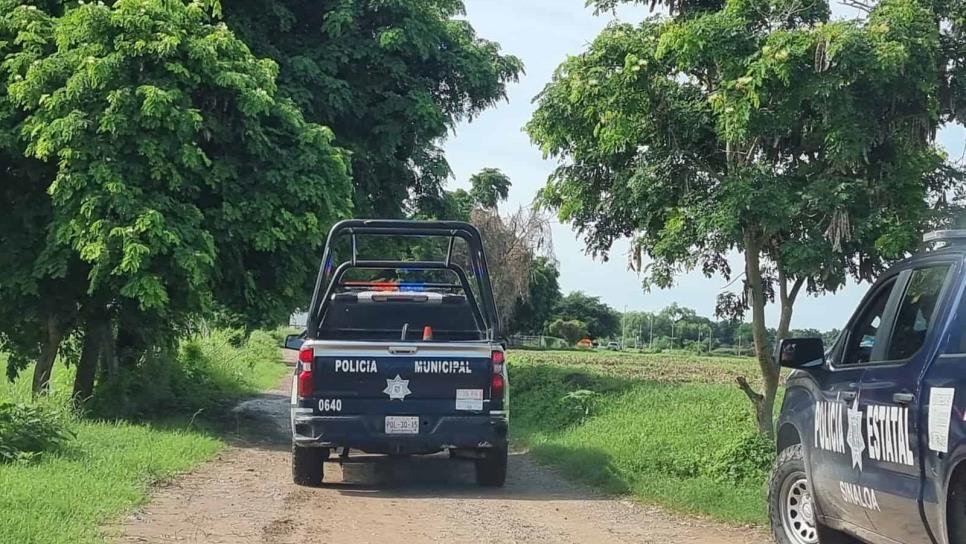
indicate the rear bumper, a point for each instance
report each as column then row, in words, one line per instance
column 367, row 433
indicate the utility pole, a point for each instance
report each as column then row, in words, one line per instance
column 624, row 328
column 650, row 342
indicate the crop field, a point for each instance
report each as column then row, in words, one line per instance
column 671, row 429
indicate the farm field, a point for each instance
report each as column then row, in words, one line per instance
column 671, row 430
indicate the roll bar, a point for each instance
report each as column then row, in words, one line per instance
column 420, row 229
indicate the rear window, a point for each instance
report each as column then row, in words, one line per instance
column 401, row 305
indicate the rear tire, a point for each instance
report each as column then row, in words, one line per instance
column 307, row 465
column 791, row 507
column 491, row 468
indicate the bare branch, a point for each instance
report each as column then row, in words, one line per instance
column 756, row 398
column 859, row 5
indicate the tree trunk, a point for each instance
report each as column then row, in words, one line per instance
column 787, row 299
column 48, row 354
column 764, row 403
column 109, row 351
column 92, row 353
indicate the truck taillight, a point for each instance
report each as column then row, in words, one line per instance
column 497, row 382
column 305, row 385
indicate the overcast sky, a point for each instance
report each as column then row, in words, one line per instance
column 543, row 33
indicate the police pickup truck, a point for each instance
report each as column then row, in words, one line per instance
column 871, row 435
column 401, row 357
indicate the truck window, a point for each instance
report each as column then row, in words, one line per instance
column 385, row 304
column 862, row 334
column 916, row 311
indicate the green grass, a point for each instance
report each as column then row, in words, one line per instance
column 105, row 473
column 668, row 430
column 65, row 496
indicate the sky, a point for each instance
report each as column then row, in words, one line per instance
column 542, row 33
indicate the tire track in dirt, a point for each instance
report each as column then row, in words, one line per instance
column 246, row 496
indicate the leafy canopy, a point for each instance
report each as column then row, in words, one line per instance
column 601, row 320
column 687, row 133
column 179, row 180
column 389, row 77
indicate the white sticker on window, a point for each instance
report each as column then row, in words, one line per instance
column 469, row 399
column 940, row 410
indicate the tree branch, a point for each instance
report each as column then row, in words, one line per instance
column 858, row 4
column 756, row 398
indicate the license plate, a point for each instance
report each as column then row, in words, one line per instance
column 402, row 425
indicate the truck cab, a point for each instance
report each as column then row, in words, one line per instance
column 401, row 354
column 871, row 433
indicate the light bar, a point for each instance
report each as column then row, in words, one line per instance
column 949, row 236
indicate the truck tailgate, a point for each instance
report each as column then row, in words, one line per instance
column 401, row 378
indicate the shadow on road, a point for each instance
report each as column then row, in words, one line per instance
column 262, row 423
column 438, row 476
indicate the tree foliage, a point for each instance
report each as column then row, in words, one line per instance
column 489, row 187
column 602, row 321
column 390, row 78
column 530, row 316
column 164, row 175
column 571, row 330
column 757, row 126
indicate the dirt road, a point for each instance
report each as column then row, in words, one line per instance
column 246, row 496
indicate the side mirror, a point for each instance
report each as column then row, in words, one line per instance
column 801, row 353
column 294, row 342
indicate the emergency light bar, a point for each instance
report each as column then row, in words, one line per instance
column 948, row 236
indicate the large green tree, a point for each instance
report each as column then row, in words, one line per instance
column 759, row 126
column 391, row 78
column 532, row 314
column 601, row 320
column 164, row 178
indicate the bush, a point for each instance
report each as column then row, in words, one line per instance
column 278, row 334
column 747, row 459
column 579, row 405
column 207, row 372
column 28, row 431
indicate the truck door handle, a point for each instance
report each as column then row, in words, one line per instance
column 904, row 398
column 403, row 349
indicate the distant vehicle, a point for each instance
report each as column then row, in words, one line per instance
column 871, row 434
column 613, row 346
column 401, row 357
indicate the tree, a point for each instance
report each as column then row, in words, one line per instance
column 389, row 78
column 513, row 244
column 519, row 246
column 489, row 187
column 602, row 321
column 532, row 315
column 760, row 127
column 570, row 330
column 167, row 177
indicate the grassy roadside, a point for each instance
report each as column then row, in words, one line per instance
column 107, row 469
column 670, row 430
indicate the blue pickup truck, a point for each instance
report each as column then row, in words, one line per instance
column 401, row 354
column 871, row 435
